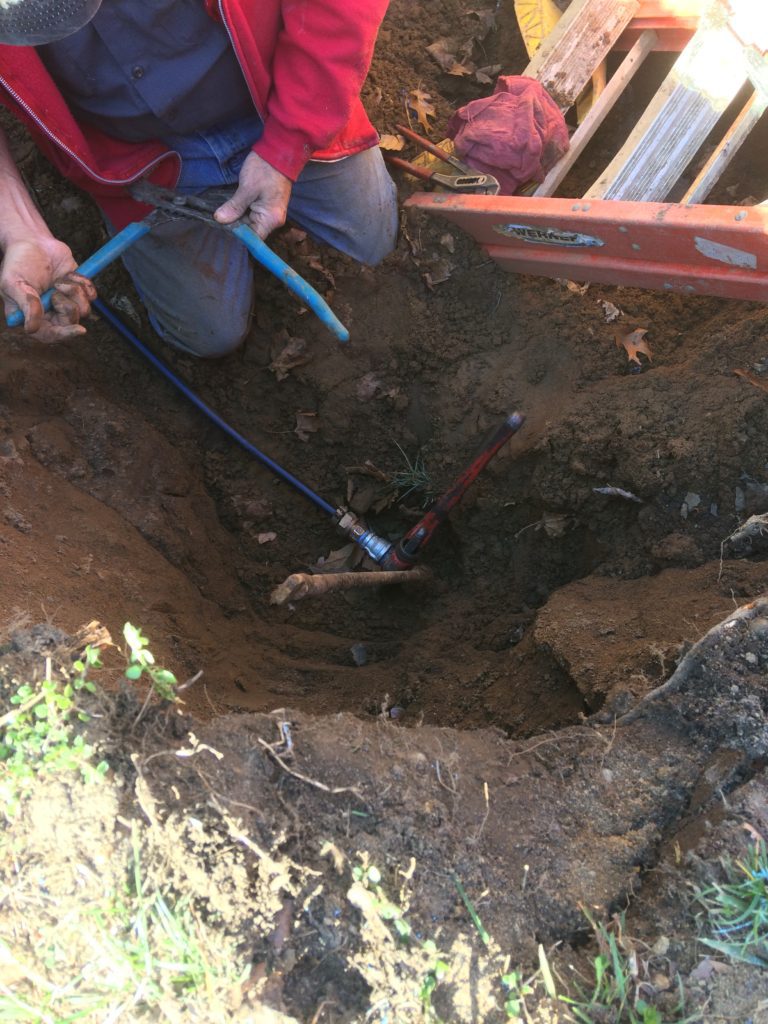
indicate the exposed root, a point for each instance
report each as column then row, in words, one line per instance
column 302, row 584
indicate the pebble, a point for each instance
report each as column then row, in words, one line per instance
column 359, row 654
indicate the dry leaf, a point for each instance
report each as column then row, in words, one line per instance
column 391, row 142
column 611, row 312
column 442, row 51
column 315, row 263
column 368, row 387
column 361, row 494
column 554, row 524
column 487, row 23
column 439, row 273
column 294, row 353
column 448, row 241
column 306, row 424
column 572, row 286
column 341, row 560
column 752, row 379
column 420, row 103
column 487, row 74
column 265, row 538
column 634, row 342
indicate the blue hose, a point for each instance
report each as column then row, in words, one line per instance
column 166, row 371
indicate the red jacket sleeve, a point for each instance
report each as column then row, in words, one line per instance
column 322, row 57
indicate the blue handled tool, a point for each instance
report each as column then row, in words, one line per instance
column 169, row 204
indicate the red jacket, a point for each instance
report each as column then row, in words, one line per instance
column 304, row 61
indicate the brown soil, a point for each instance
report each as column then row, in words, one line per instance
column 552, row 609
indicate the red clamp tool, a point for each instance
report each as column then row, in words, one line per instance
column 468, row 180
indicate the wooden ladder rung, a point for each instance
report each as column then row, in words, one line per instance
column 580, row 41
column 703, row 81
column 600, row 110
column 727, row 149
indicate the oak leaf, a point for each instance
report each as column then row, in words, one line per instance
column 634, row 343
column 420, row 103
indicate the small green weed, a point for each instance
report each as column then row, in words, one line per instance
column 619, row 994
column 737, row 910
column 38, row 734
column 369, row 877
column 141, row 662
column 435, row 967
column 516, row 989
column 412, row 477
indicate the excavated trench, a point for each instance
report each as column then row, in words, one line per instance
column 549, row 594
column 553, row 608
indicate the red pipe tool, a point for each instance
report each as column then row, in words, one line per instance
column 404, row 554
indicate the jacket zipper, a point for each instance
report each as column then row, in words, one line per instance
column 314, row 160
column 89, row 170
column 237, row 58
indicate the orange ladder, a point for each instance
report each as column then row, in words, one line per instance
column 624, row 230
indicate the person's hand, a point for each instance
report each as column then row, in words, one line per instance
column 31, row 267
column 262, row 193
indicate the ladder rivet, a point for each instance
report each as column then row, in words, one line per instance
column 576, row 206
column 635, row 246
column 740, row 215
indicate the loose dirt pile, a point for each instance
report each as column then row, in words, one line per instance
column 554, row 607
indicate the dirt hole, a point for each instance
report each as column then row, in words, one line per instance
column 557, row 602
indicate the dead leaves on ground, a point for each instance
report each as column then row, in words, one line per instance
column 391, row 143
column 306, row 424
column 293, row 353
column 635, row 345
column 420, row 104
column 454, row 55
column 443, row 51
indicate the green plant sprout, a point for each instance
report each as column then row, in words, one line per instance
column 737, row 910
column 617, row 996
column 141, row 662
column 369, row 876
column 516, row 989
column 413, row 476
column 38, row 735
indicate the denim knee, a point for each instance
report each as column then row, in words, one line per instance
column 205, row 338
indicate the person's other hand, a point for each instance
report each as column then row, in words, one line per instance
column 262, row 194
column 30, row 268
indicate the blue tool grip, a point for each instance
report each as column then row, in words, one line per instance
column 301, row 288
column 96, row 263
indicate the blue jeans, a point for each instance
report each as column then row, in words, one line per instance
column 197, row 282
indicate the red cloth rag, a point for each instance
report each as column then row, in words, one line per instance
column 516, row 134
